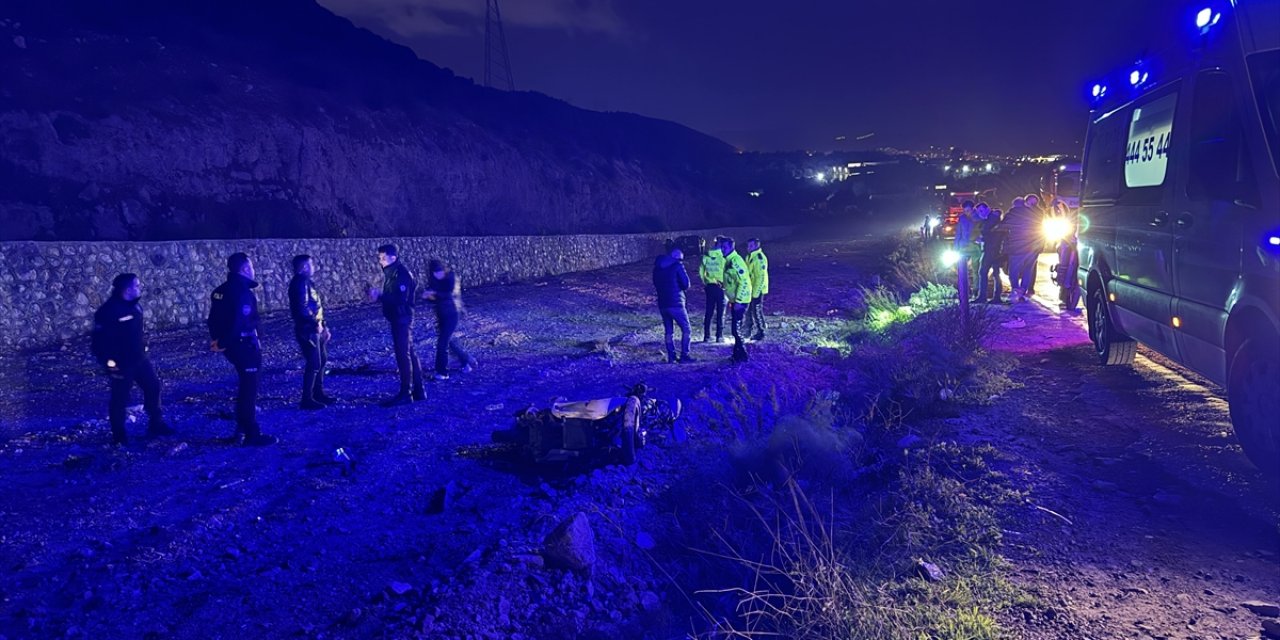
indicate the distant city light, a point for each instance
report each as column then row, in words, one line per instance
column 965, row 168
column 1062, row 168
column 988, row 166
column 947, row 168
column 821, row 177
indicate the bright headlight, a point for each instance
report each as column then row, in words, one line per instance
column 1055, row 228
column 950, row 257
column 934, row 222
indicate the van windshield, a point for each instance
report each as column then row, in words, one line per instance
column 1265, row 69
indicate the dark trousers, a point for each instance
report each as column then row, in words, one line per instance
column 989, row 268
column 735, row 326
column 446, row 324
column 315, row 355
column 121, row 384
column 672, row 316
column 715, row 310
column 406, row 357
column 754, row 324
column 246, row 356
column 1022, row 272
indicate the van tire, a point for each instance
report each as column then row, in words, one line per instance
column 1110, row 347
column 1252, row 384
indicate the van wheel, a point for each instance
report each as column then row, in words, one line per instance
column 1254, row 403
column 1110, row 347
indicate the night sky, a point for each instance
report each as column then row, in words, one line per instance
column 996, row 76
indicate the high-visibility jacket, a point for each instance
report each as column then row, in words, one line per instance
column 712, row 268
column 758, row 269
column 737, row 282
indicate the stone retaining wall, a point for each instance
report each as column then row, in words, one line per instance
column 49, row 290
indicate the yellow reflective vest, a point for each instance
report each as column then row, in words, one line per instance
column 737, row 283
column 758, row 269
column 712, row 268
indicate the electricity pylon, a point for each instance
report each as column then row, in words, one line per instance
column 497, row 63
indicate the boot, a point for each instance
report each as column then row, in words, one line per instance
column 311, row 404
column 157, row 427
column 260, row 440
column 397, row 400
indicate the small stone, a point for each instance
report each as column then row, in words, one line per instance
column 400, row 588
column 1170, row 499
column 645, row 541
column 649, row 601
column 929, row 571
column 1264, row 609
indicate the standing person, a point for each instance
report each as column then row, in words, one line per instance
column 737, row 288
column 396, row 296
column 445, row 293
column 233, row 326
column 309, row 328
column 711, row 271
column 1023, row 247
column 993, row 236
column 671, row 281
column 965, row 244
column 758, row 272
column 1038, row 213
column 119, row 344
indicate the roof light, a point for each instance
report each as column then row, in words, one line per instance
column 1274, row 241
column 1135, row 77
column 1204, row 17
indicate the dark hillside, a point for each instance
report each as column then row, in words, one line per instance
column 153, row 120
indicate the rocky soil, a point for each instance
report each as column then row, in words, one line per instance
column 1141, row 517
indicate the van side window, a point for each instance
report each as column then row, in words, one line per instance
column 1146, row 158
column 1105, row 157
column 1217, row 160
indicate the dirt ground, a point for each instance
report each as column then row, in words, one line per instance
column 1144, row 519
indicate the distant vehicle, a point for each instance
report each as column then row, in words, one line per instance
column 1062, row 185
column 946, row 229
column 692, row 246
column 1180, row 217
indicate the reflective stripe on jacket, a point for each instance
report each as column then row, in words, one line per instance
column 758, row 269
column 737, row 283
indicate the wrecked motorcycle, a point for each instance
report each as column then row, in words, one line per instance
column 601, row 430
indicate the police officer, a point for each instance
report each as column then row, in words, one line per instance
column 737, row 288
column 309, row 328
column 119, row 345
column 397, row 296
column 758, row 270
column 711, row 271
column 233, row 326
column 444, row 291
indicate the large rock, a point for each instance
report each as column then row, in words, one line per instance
column 572, row 545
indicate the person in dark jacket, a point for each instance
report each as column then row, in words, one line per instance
column 992, row 235
column 233, row 326
column 307, row 311
column 119, row 344
column 671, row 281
column 445, row 294
column 1023, row 247
column 397, row 296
